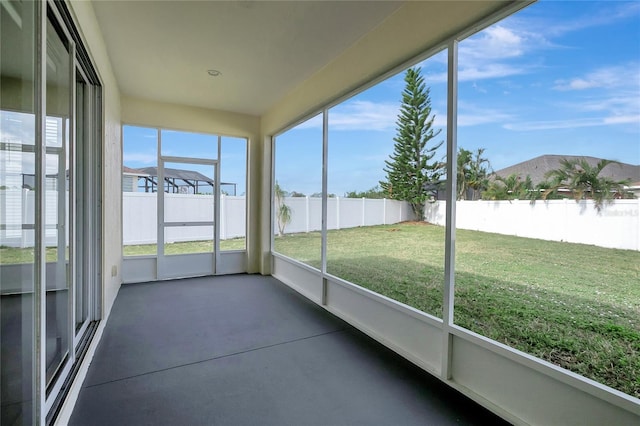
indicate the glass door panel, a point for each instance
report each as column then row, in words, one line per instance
column 17, row 204
column 56, row 235
column 17, row 201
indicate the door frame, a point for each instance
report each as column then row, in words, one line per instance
column 193, row 264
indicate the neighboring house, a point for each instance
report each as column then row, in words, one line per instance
column 175, row 181
column 130, row 179
column 538, row 167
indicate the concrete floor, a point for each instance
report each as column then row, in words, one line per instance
column 247, row 350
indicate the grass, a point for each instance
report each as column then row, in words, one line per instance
column 11, row 255
column 574, row 305
column 184, row 247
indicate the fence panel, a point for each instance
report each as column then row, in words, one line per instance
column 617, row 225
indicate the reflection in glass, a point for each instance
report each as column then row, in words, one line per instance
column 17, row 197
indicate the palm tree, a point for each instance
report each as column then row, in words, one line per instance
column 513, row 187
column 472, row 173
column 464, row 160
column 283, row 211
column 584, row 181
column 478, row 174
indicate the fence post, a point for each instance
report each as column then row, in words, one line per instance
column 384, row 211
column 25, row 218
column 363, row 210
column 337, row 212
column 308, row 213
column 223, row 218
column 638, row 233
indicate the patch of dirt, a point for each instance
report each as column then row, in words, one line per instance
column 393, row 229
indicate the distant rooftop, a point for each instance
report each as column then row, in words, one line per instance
column 185, row 175
column 537, row 167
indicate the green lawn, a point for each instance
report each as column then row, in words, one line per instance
column 575, row 305
column 10, row 255
column 186, row 247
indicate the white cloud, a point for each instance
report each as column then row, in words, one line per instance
column 623, row 119
column 359, row 115
column 364, row 115
column 573, row 123
column 473, row 115
column 611, row 12
column 605, row 77
column 312, row 123
column 496, row 42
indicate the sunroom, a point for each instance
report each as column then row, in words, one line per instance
column 199, row 183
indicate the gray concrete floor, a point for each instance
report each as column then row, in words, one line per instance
column 247, row 350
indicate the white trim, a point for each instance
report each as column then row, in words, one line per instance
column 387, row 301
column 584, row 384
column 297, row 263
column 324, row 224
column 64, row 416
column 216, row 209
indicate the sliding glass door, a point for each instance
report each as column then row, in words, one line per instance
column 49, row 207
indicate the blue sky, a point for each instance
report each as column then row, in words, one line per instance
column 555, row 78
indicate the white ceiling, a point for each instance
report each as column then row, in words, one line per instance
column 161, row 50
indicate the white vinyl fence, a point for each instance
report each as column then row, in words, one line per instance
column 139, row 215
column 306, row 213
column 617, row 225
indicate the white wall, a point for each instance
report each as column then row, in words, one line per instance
column 616, row 226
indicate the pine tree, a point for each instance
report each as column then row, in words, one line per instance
column 410, row 168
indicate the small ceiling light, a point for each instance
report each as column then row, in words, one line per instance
column 214, row 73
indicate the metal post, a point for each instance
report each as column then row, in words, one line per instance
column 325, row 160
column 450, row 230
